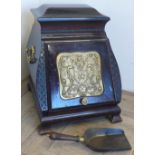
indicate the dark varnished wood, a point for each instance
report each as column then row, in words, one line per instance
column 86, row 113
column 115, row 118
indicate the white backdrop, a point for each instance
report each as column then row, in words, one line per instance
column 119, row 30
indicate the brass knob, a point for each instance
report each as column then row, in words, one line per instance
column 84, row 101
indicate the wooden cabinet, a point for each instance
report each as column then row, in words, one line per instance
column 73, row 71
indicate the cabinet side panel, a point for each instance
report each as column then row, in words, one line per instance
column 37, row 69
column 115, row 73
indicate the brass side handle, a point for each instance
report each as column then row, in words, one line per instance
column 30, row 53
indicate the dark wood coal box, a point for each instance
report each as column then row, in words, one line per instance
column 73, row 71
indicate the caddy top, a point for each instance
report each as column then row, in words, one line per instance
column 47, row 13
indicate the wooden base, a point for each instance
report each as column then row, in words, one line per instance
column 69, row 114
column 48, row 127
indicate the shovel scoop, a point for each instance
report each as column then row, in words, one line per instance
column 98, row 139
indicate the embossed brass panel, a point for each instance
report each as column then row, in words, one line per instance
column 79, row 74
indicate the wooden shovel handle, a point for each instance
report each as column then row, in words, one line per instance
column 60, row 136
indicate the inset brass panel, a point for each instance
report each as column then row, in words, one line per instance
column 79, row 74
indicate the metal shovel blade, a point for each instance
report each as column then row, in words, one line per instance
column 107, row 139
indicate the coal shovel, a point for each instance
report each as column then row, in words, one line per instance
column 98, row 139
